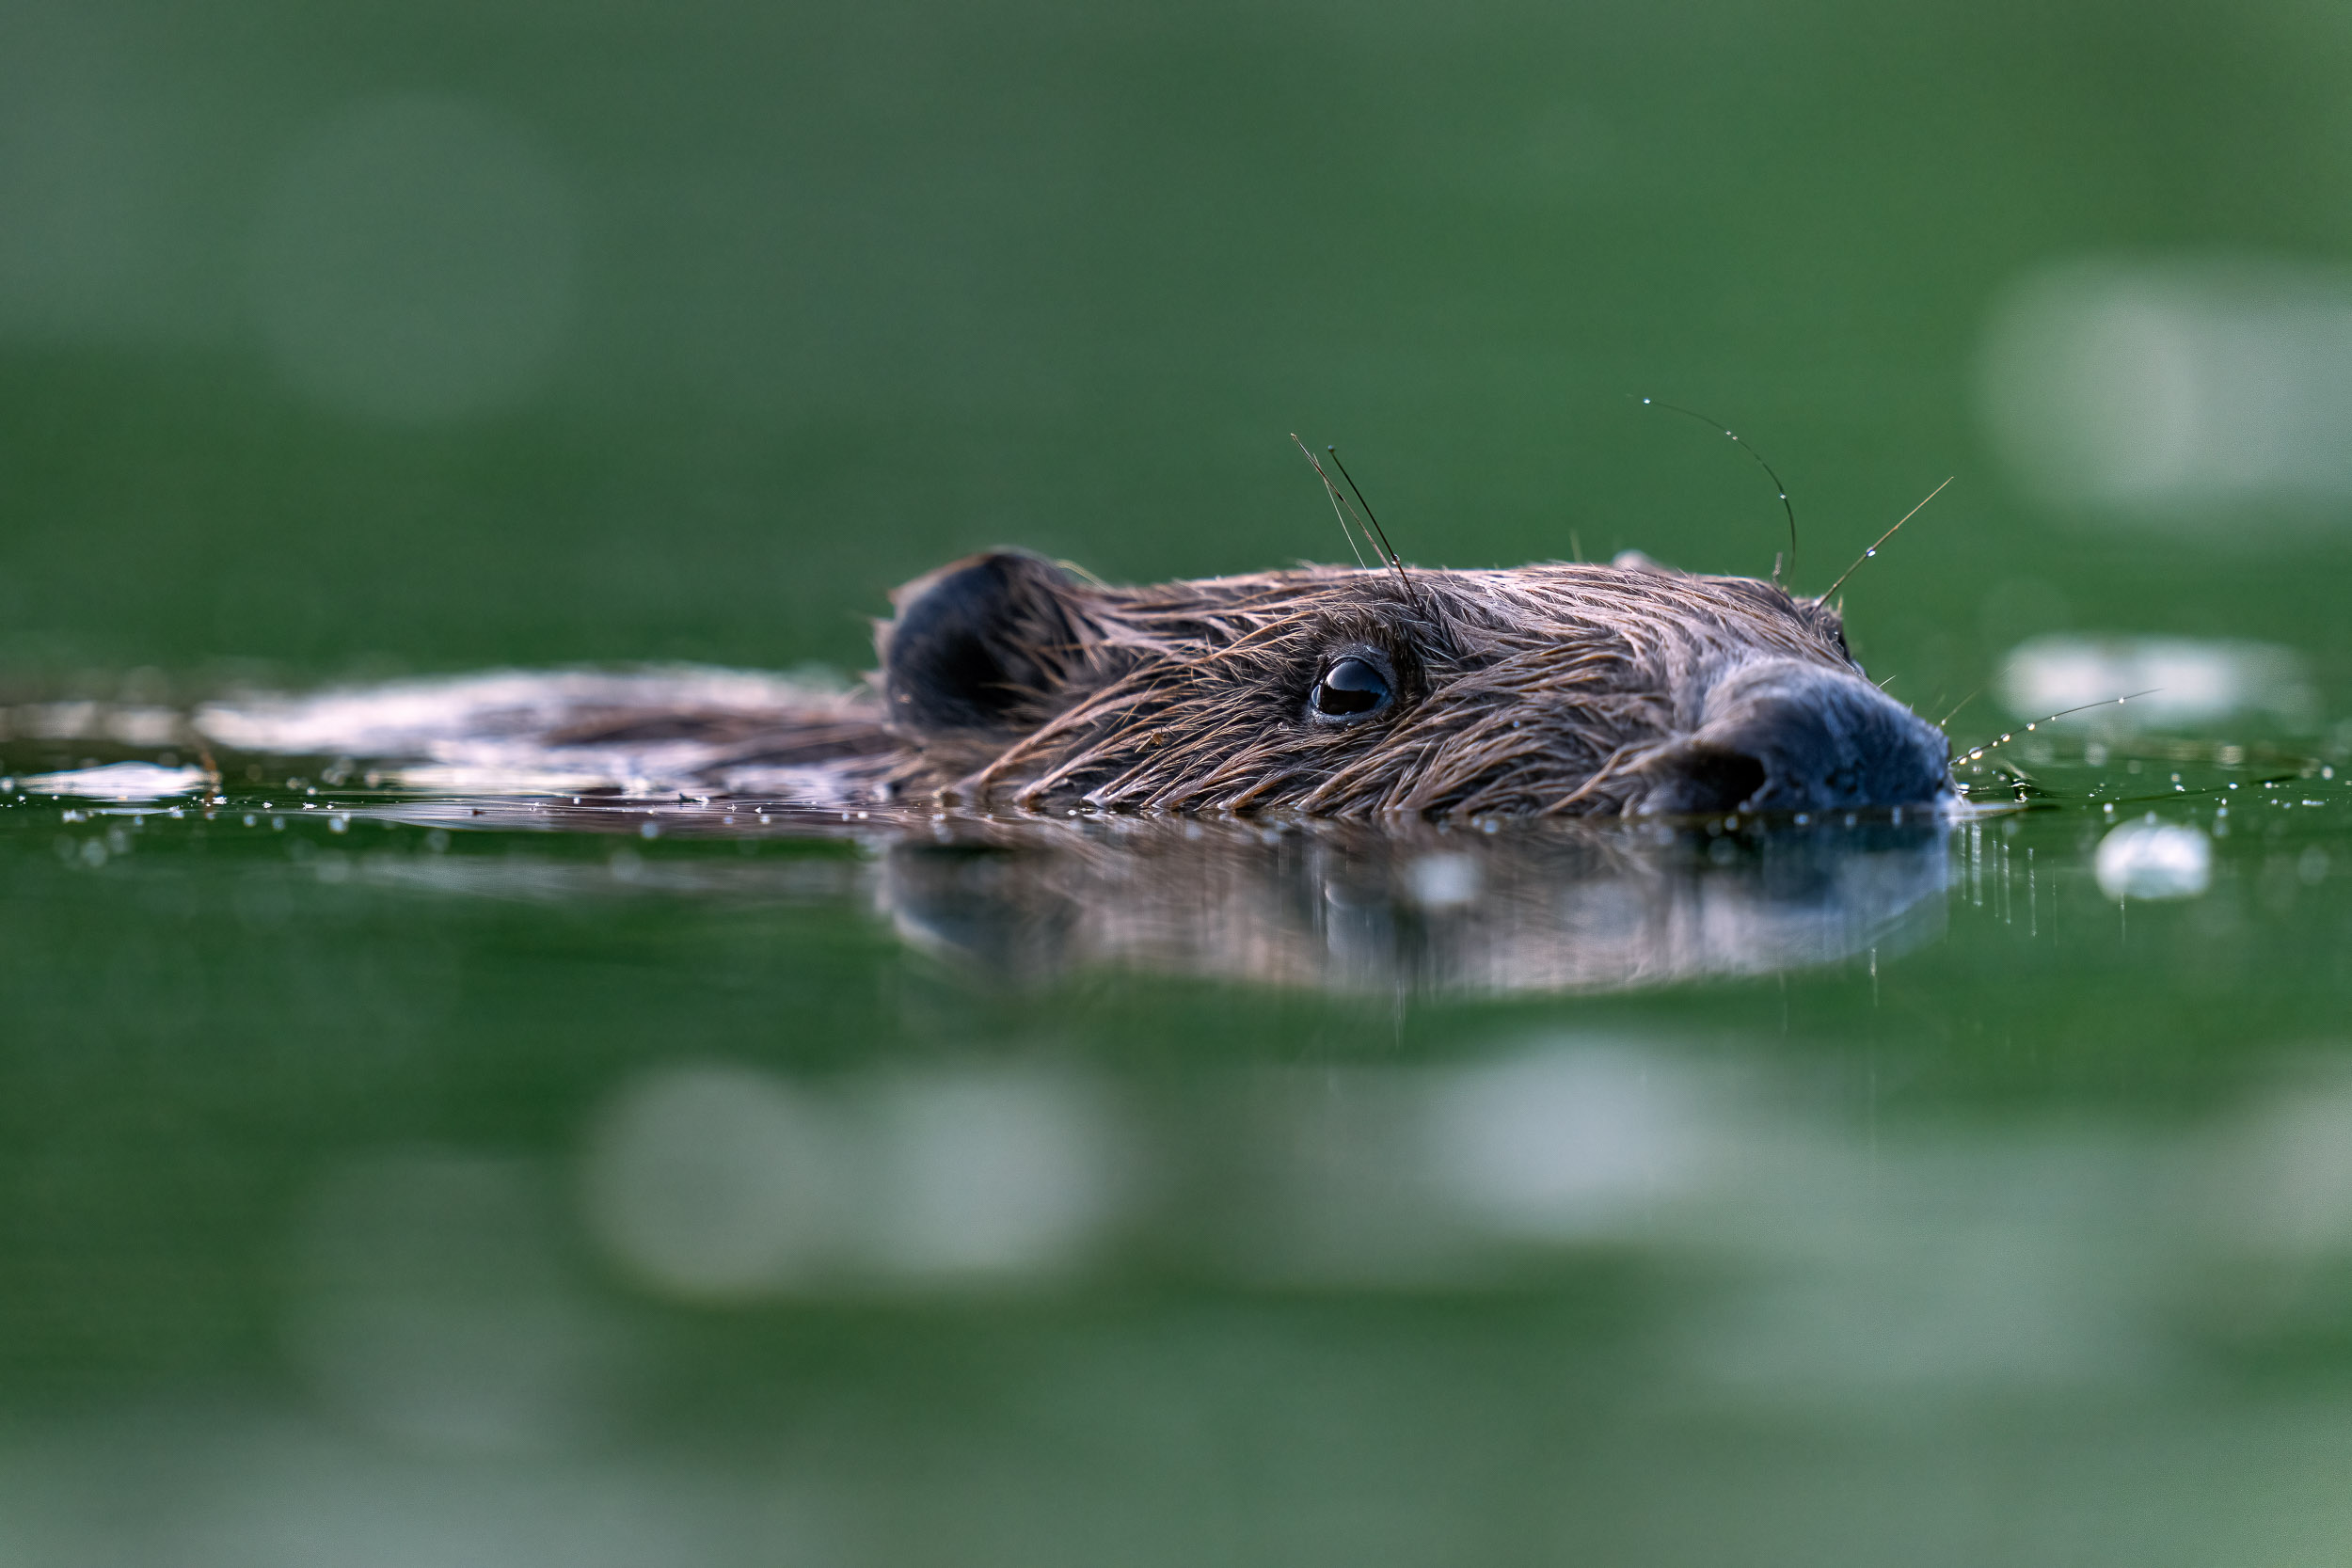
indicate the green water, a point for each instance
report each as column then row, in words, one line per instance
column 381, row 1185
column 391, row 1185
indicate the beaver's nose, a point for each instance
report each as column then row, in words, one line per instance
column 1781, row 735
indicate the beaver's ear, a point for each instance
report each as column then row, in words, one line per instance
column 984, row 644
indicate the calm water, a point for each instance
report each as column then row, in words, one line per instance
column 401, row 1176
column 431, row 1170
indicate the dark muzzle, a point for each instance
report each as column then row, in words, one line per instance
column 1783, row 735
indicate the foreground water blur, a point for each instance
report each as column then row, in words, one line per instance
column 397, row 1176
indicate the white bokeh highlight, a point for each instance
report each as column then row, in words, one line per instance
column 718, row 1182
column 2169, row 680
column 2154, row 859
column 1564, row 1146
column 712, row 1182
column 2162, row 384
column 117, row 780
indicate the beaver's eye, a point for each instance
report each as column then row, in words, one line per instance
column 1350, row 686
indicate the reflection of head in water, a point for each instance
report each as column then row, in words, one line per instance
column 1559, row 908
column 1555, row 689
column 1392, row 906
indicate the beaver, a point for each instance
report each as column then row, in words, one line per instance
column 1555, row 689
column 1007, row 680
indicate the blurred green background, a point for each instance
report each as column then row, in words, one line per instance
column 368, row 1183
column 375, row 336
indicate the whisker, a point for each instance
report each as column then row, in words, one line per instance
column 1337, row 508
column 1785, row 504
column 1378, row 532
column 1372, row 531
column 1976, row 752
column 1881, row 540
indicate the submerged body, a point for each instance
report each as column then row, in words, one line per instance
column 1010, row 681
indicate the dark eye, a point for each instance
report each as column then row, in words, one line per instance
column 1350, row 686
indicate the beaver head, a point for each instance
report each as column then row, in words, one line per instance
column 1551, row 690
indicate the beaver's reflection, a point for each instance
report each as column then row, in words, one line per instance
column 1565, row 908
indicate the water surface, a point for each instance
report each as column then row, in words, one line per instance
column 643, row 1178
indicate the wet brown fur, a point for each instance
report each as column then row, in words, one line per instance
column 1535, row 690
